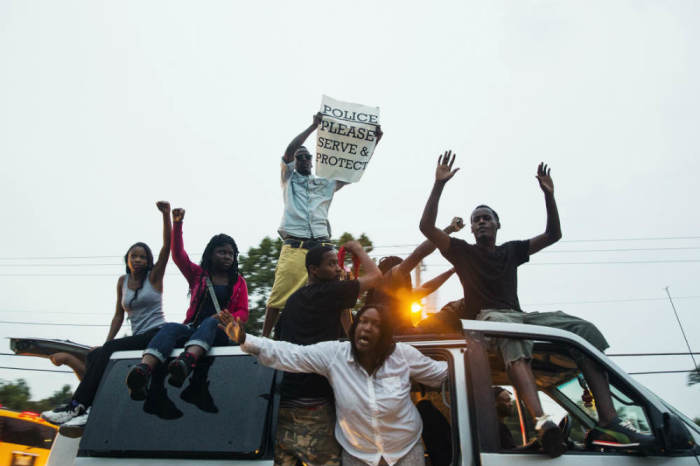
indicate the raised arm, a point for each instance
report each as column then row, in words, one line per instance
column 280, row 354
column 552, row 232
column 431, row 285
column 118, row 318
column 188, row 268
column 425, row 249
column 443, row 173
column 299, row 140
column 373, row 276
column 158, row 270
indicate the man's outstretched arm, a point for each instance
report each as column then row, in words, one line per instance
column 425, row 249
column 298, row 141
column 443, row 173
column 372, row 276
column 552, row 233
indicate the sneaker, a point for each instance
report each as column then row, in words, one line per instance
column 137, row 380
column 618, row 434
column 64, row 413
column 550, row 436
column 180, row 367
column 74, row 428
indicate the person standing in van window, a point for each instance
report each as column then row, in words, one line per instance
column 313, row 314
column 370, row 375
column 215, row 284
column 489, row 278
column 140, row 296
column 304, row 225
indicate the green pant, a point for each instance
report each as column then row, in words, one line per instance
column 515, row 349
column 306, row 435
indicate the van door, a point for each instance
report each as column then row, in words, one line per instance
column 507, row 436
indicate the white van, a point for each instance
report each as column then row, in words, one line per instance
column 226, row 414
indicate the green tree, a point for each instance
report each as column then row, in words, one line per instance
column 258, row 267
column 16, row 395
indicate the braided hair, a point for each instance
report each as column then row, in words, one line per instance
column 149, row 266
column 206, row 263
column 385, row 344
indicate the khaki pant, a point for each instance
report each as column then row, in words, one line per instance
column 414, row 457
column 515, row 349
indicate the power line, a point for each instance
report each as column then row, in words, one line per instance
column 605, row 301
column 9, row 322
column 660, row 372
column 690, row 352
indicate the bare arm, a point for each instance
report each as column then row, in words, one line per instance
column 373, row 276
column 299, row 140
column 552, row 232
column 425, row 249
column 431, row 285
column 158, row 270
column 443, row 173
column 118, row 312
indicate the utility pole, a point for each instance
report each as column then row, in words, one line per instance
column 690, row 352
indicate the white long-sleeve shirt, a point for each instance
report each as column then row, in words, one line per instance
column 375, row 416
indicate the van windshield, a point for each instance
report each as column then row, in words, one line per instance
column 222, row 411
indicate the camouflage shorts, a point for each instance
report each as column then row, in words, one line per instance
column 306, row 435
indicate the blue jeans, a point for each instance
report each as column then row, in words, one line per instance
column 173, row 335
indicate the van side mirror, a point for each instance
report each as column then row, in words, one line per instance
column 676, row 437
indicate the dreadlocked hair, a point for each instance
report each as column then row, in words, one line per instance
column 149, row 266
column 385, row 344
column 206, row 263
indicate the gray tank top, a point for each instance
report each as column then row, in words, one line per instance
column 146, row 311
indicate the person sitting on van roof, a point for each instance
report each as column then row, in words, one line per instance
column 140, row 295
column 396, row 292
column 311, row 315
column 489, row 278
column 215, row 284
column 371, row 380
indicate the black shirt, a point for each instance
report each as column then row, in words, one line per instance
column 312, row 315
column 489, row 278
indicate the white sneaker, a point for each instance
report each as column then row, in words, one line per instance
column 74, row 428
column 64, row 413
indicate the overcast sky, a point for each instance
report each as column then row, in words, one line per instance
column 107, row 107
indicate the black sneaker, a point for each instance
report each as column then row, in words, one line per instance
column 550, row 436
column 137, row 380
column 64, row 413
column 179, row 368
column 618, row 434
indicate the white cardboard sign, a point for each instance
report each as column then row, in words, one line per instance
column 345, row 139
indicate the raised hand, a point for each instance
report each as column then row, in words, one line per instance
column 163, row 206
column 178, row 214
column 546, row 183
column 317, row 119
column 353, row 246
column 232, row 326
column 444, row 171
column 456, row 224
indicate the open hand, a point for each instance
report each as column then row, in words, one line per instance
column 232, row 326
column 546, row 183
column 444, row 171
column 178, row 214
column 163, row 206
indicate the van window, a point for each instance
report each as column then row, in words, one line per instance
column 21, row 432
column 563, row 393
column 224, row 410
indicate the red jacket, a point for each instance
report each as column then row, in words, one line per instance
column 196, row 277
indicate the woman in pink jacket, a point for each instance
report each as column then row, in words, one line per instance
column 216, row 276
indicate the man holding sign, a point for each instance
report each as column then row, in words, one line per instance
column 304, row 220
